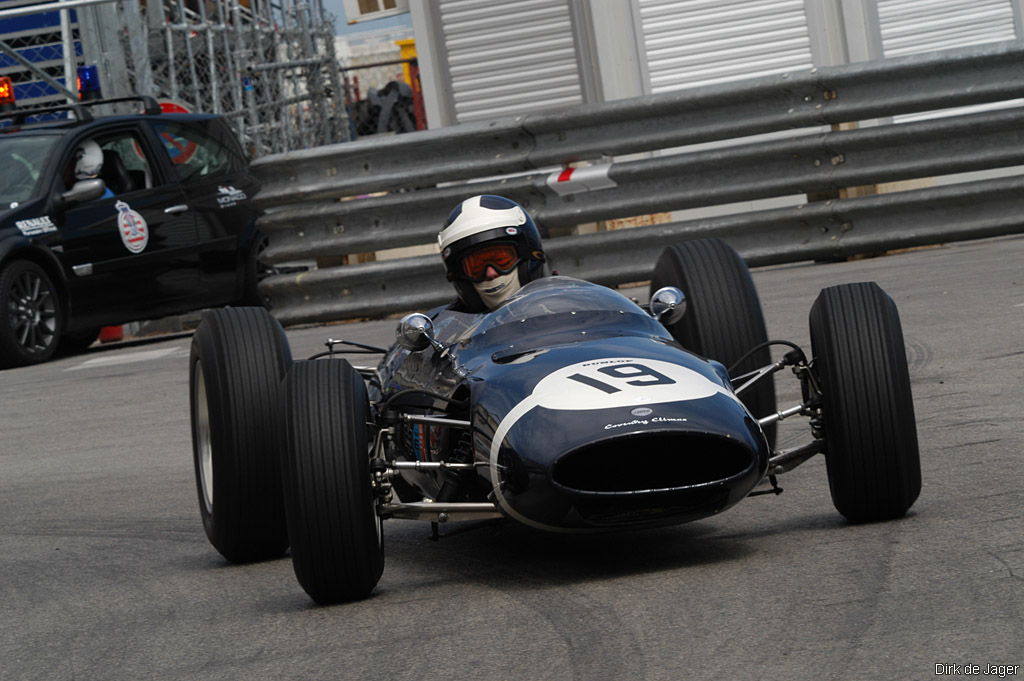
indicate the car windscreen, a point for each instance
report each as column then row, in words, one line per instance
column 553, row 309
column 23, row 159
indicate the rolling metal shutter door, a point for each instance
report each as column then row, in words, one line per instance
column 509, row 58
column 913, row 26
column 714, row 41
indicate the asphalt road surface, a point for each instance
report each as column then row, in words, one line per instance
column 105, row 572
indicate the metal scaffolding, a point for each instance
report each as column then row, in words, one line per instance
column 268, row 67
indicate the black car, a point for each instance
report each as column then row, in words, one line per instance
column 110, row 219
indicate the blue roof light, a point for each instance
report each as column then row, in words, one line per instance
column 89, row 83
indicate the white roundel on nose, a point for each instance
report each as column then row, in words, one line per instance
column 621, row 382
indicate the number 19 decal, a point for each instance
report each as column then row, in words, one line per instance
column 630, row 373
column 620, row 382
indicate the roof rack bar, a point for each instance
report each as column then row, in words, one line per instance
column 150, row 108
column 18, row 116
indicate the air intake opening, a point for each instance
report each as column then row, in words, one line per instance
column 651, row 462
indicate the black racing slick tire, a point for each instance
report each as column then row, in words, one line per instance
column 871, row 450
column 723, row 319
column 31, row 318
column 239, row 357
column 336, row 534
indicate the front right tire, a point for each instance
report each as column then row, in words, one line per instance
column 723, row 319
column 239, row 357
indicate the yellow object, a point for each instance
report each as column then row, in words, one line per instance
column 408, row 51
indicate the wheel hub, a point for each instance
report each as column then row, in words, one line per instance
column 32, row 312
column 28, row 311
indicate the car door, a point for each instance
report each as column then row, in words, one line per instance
column 213, row 171
column 132, row 255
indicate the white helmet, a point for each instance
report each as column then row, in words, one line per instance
column 88, row 160
column 490, row 232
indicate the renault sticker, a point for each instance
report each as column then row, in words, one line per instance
column 35, row 226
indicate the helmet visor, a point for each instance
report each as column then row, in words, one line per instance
column 502, row 257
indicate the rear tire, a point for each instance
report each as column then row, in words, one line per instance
column 871, row 450
column 723, row 317
column 239, row 356
column 337, row 545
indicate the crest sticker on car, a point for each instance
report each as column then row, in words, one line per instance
column 133, row 228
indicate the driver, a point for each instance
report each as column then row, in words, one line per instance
column 88, row 160
column 491, row 248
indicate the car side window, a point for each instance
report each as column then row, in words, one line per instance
column 129, row 151
column 193, row 152
column 116, row 158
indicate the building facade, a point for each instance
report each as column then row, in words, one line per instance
column 481, row 59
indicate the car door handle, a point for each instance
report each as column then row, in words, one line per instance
column 176, row 209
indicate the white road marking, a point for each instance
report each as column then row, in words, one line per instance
column 129, row 358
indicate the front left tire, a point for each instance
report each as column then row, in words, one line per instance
column 871, row 449
column 31, row 316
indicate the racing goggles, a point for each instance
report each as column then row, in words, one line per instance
column 502, row 257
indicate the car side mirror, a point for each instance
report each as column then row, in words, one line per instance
column 668, row 305
column 415, row 332
column 84, row 190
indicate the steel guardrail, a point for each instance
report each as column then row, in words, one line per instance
column 814, row 163
column 824, row 230
column 306, row 219
column 825, row 96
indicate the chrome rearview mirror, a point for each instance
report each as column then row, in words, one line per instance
column 668, row 305
column 415, row 332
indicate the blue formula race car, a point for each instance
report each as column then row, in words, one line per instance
column 569, row 408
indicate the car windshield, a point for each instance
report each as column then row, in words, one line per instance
column 23, row 158
column 547, row 309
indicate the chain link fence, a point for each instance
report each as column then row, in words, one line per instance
column 32, row 48
column 269, row 68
